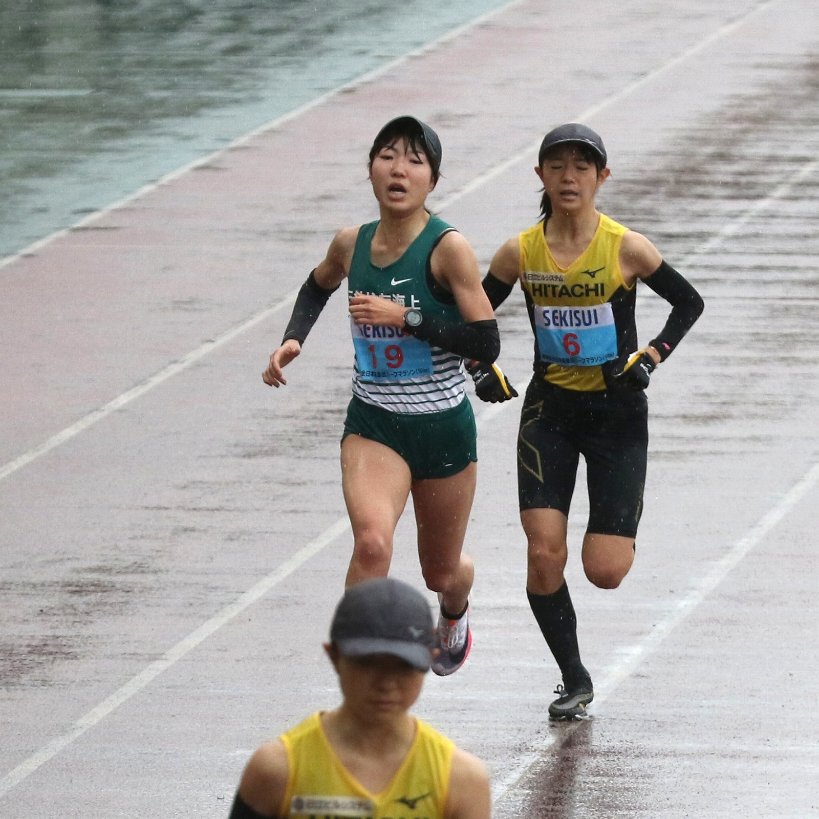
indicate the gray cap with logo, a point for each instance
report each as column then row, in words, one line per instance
column 572, row 132
column 384, row 616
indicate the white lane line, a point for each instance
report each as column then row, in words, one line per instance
column 42, row 93
column 641, row 650
column 269, row 126
column 729, row 561
column 195, row 355
column 187, row 644
column 633, row 656
column 526, row 154
column 140, row 681
column 172, row 656
column 182, row 364
column 730, row 229
column 146, row 386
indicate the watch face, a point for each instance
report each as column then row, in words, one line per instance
column 413, row 317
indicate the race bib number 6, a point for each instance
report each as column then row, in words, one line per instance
column 389, row 354
column 576, row 336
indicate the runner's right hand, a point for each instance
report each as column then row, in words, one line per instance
column 279, row 359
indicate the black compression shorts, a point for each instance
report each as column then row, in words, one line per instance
column 609, row 429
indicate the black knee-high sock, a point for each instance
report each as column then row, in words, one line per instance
column 558, row 624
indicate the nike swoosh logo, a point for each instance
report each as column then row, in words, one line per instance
column 396, row 282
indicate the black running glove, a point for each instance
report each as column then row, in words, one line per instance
column 490, row 383
column 636, row 375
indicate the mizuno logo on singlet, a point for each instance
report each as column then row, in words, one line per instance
column 411, row 801
column 395, row 282
column 591, row 273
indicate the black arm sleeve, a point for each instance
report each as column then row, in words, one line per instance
column 309, row 304
column 496, row 290
column 241, row 810
column 686, row 307
column 478, row 340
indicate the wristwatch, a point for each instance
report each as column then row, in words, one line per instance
column 412, row 319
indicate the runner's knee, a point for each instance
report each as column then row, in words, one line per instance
column 447, row 576
column 372, row 553
column 604, row 579
column 547, row 555
column 608, row 573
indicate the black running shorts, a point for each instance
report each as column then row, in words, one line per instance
column 609, row 429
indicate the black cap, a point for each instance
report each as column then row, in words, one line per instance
column 572, row 132
column 384, row 616
column 410, row 125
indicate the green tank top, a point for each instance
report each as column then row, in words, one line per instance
column 392, row 369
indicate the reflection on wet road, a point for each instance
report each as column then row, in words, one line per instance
column 100, row 98
column 168, row 564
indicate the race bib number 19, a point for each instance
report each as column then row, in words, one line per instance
column 576, row 336
column 389, row 354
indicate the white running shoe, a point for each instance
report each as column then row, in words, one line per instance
column 454, row 642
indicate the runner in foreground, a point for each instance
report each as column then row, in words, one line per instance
column 369, row 758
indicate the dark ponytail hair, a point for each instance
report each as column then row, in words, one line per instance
column 545, row 207
column 589, row 155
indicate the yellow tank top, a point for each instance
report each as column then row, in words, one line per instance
column 570, row 307
column 320, row 787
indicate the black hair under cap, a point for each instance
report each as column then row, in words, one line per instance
column 572, row 132
column 429, row 139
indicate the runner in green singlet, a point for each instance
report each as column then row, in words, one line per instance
column 417, row 308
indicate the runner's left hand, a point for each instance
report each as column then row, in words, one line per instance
column 636, row 375
column 490, row 383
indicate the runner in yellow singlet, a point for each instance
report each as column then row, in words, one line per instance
column 579, row 271
column 369, row 758
column 416, row 309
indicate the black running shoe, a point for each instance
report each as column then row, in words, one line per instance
column 572, row 698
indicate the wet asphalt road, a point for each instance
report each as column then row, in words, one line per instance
column 172, row 534
column 101, row 97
